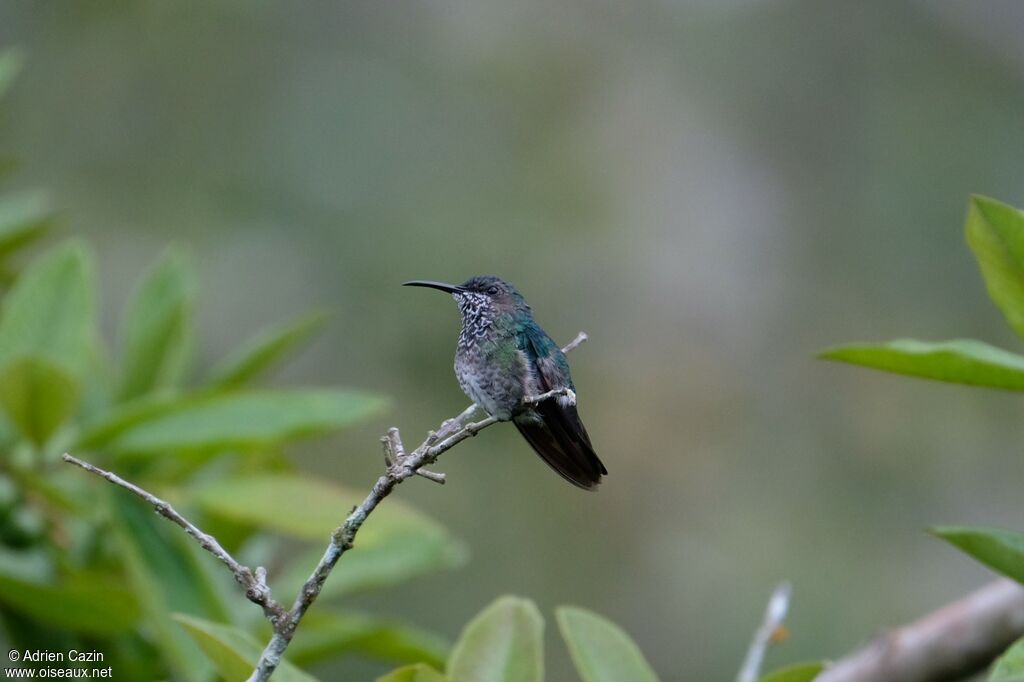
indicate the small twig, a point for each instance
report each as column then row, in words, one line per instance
column 953, row 643
column 254, row 582
column 774, row 616
column 575, row 343
column 394, row 441
column 435, row 476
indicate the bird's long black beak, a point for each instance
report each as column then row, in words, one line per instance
column 450, row 288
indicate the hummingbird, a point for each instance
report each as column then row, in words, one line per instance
column 503, row 359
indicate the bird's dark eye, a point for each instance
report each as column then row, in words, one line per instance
column 492, row 290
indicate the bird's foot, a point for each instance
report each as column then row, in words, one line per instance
column 565, row 396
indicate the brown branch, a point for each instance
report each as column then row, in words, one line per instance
column 953, row 643
column 399, row 466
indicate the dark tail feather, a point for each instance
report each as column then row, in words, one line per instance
column 561, row 440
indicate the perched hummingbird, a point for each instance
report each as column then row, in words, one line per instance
column 504, row 357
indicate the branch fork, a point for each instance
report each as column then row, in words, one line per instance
column 399, row 465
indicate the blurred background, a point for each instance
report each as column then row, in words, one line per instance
column 714, row 191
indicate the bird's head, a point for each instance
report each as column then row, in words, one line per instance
column 483, row 293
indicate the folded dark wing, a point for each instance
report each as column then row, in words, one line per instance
column 553, row 427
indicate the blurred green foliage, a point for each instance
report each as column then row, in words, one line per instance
column 1010, row 666
column 504, row 643
column 84, row 564
column 995, row 232
column 601, row 651
column 798, row 672
column 234, row 652
column 1000, row 550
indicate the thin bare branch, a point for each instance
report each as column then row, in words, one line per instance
column 953, row 643
column 774, row 617
column 253, row 582
column 401, row 466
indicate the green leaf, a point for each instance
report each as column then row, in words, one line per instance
column 23, row 219
column 119, row 418
column 504, row 643
column 385, row 557
column 156, row 332
column 303, row 507
column 162, row 570
column 234, row 652
column 170, row 556
column 601, row 650
column 50, row 310
column 329, row 633
column 1000, row 550
column 244, row 420
column 37, row 395
column 961, row 361
column 798, row 672
column 1010, row 666
column 11, row 61
column 81, row 603
column 413, row 673
column 52, row 487
column 396, row 543
column 261, row 352
column 995, row 232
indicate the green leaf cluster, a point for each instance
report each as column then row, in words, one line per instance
column 995, row 233
column 505, row 643
column 86, row 565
